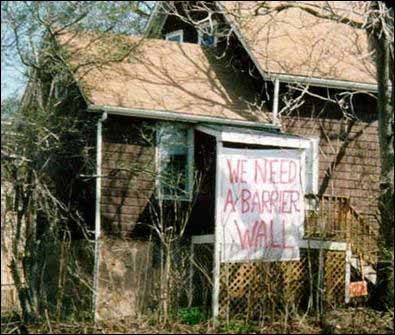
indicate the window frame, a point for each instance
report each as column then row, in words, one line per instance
column 179, row 32
column 200, row 33
column 190, row 147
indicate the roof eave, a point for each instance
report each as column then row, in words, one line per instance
column 321, row 82
column 180, row 117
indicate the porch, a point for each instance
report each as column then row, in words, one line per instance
column 338, row 247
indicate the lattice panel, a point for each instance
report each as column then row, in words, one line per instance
column 251, row 290
column 334, row 276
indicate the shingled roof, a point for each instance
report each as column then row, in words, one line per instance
column 295, row 42
column 158, row 75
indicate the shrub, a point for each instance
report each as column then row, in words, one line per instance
column 191, row 316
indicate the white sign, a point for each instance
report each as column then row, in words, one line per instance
column 260, row 204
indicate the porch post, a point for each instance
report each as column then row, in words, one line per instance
column 216, row 272
column 348, row 274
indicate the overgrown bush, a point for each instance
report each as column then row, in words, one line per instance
column 191, row 315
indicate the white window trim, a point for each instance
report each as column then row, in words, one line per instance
column 312, row 163
column 200, row 33
column 175, row 33
column 190, row 166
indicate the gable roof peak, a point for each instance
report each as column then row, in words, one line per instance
column 286, row 41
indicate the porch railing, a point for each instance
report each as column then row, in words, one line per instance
column 327, row 218
column 363, row 236
column 334, row 218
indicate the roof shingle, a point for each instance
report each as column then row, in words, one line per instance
column 295, row 42
column 159, row 75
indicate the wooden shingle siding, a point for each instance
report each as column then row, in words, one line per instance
column 349, row 155
column 121, row 187
column 128, row 182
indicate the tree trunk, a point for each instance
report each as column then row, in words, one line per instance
column 384, row 62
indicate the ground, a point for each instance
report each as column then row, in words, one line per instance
column 350, row 321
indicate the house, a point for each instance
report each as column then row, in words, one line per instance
column 173, row 113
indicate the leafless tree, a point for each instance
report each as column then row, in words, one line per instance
column 48, row 138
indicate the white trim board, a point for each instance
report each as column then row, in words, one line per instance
column 216, row 238
column 256, row 137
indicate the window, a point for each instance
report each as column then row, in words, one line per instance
column 176, row 36
column 174, row 161
column 206, row 34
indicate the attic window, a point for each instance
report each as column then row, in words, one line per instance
column 206, row 34
column 174, row 161
column 175, row 36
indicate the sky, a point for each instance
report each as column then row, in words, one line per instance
column 13, row 80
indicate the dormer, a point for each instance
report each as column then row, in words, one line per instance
column 174, row 28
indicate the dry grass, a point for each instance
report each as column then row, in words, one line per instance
column 359, row 320
column 349, row 320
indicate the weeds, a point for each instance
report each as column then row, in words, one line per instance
column 239, row 327
column 191, row 316
column 348, row 320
